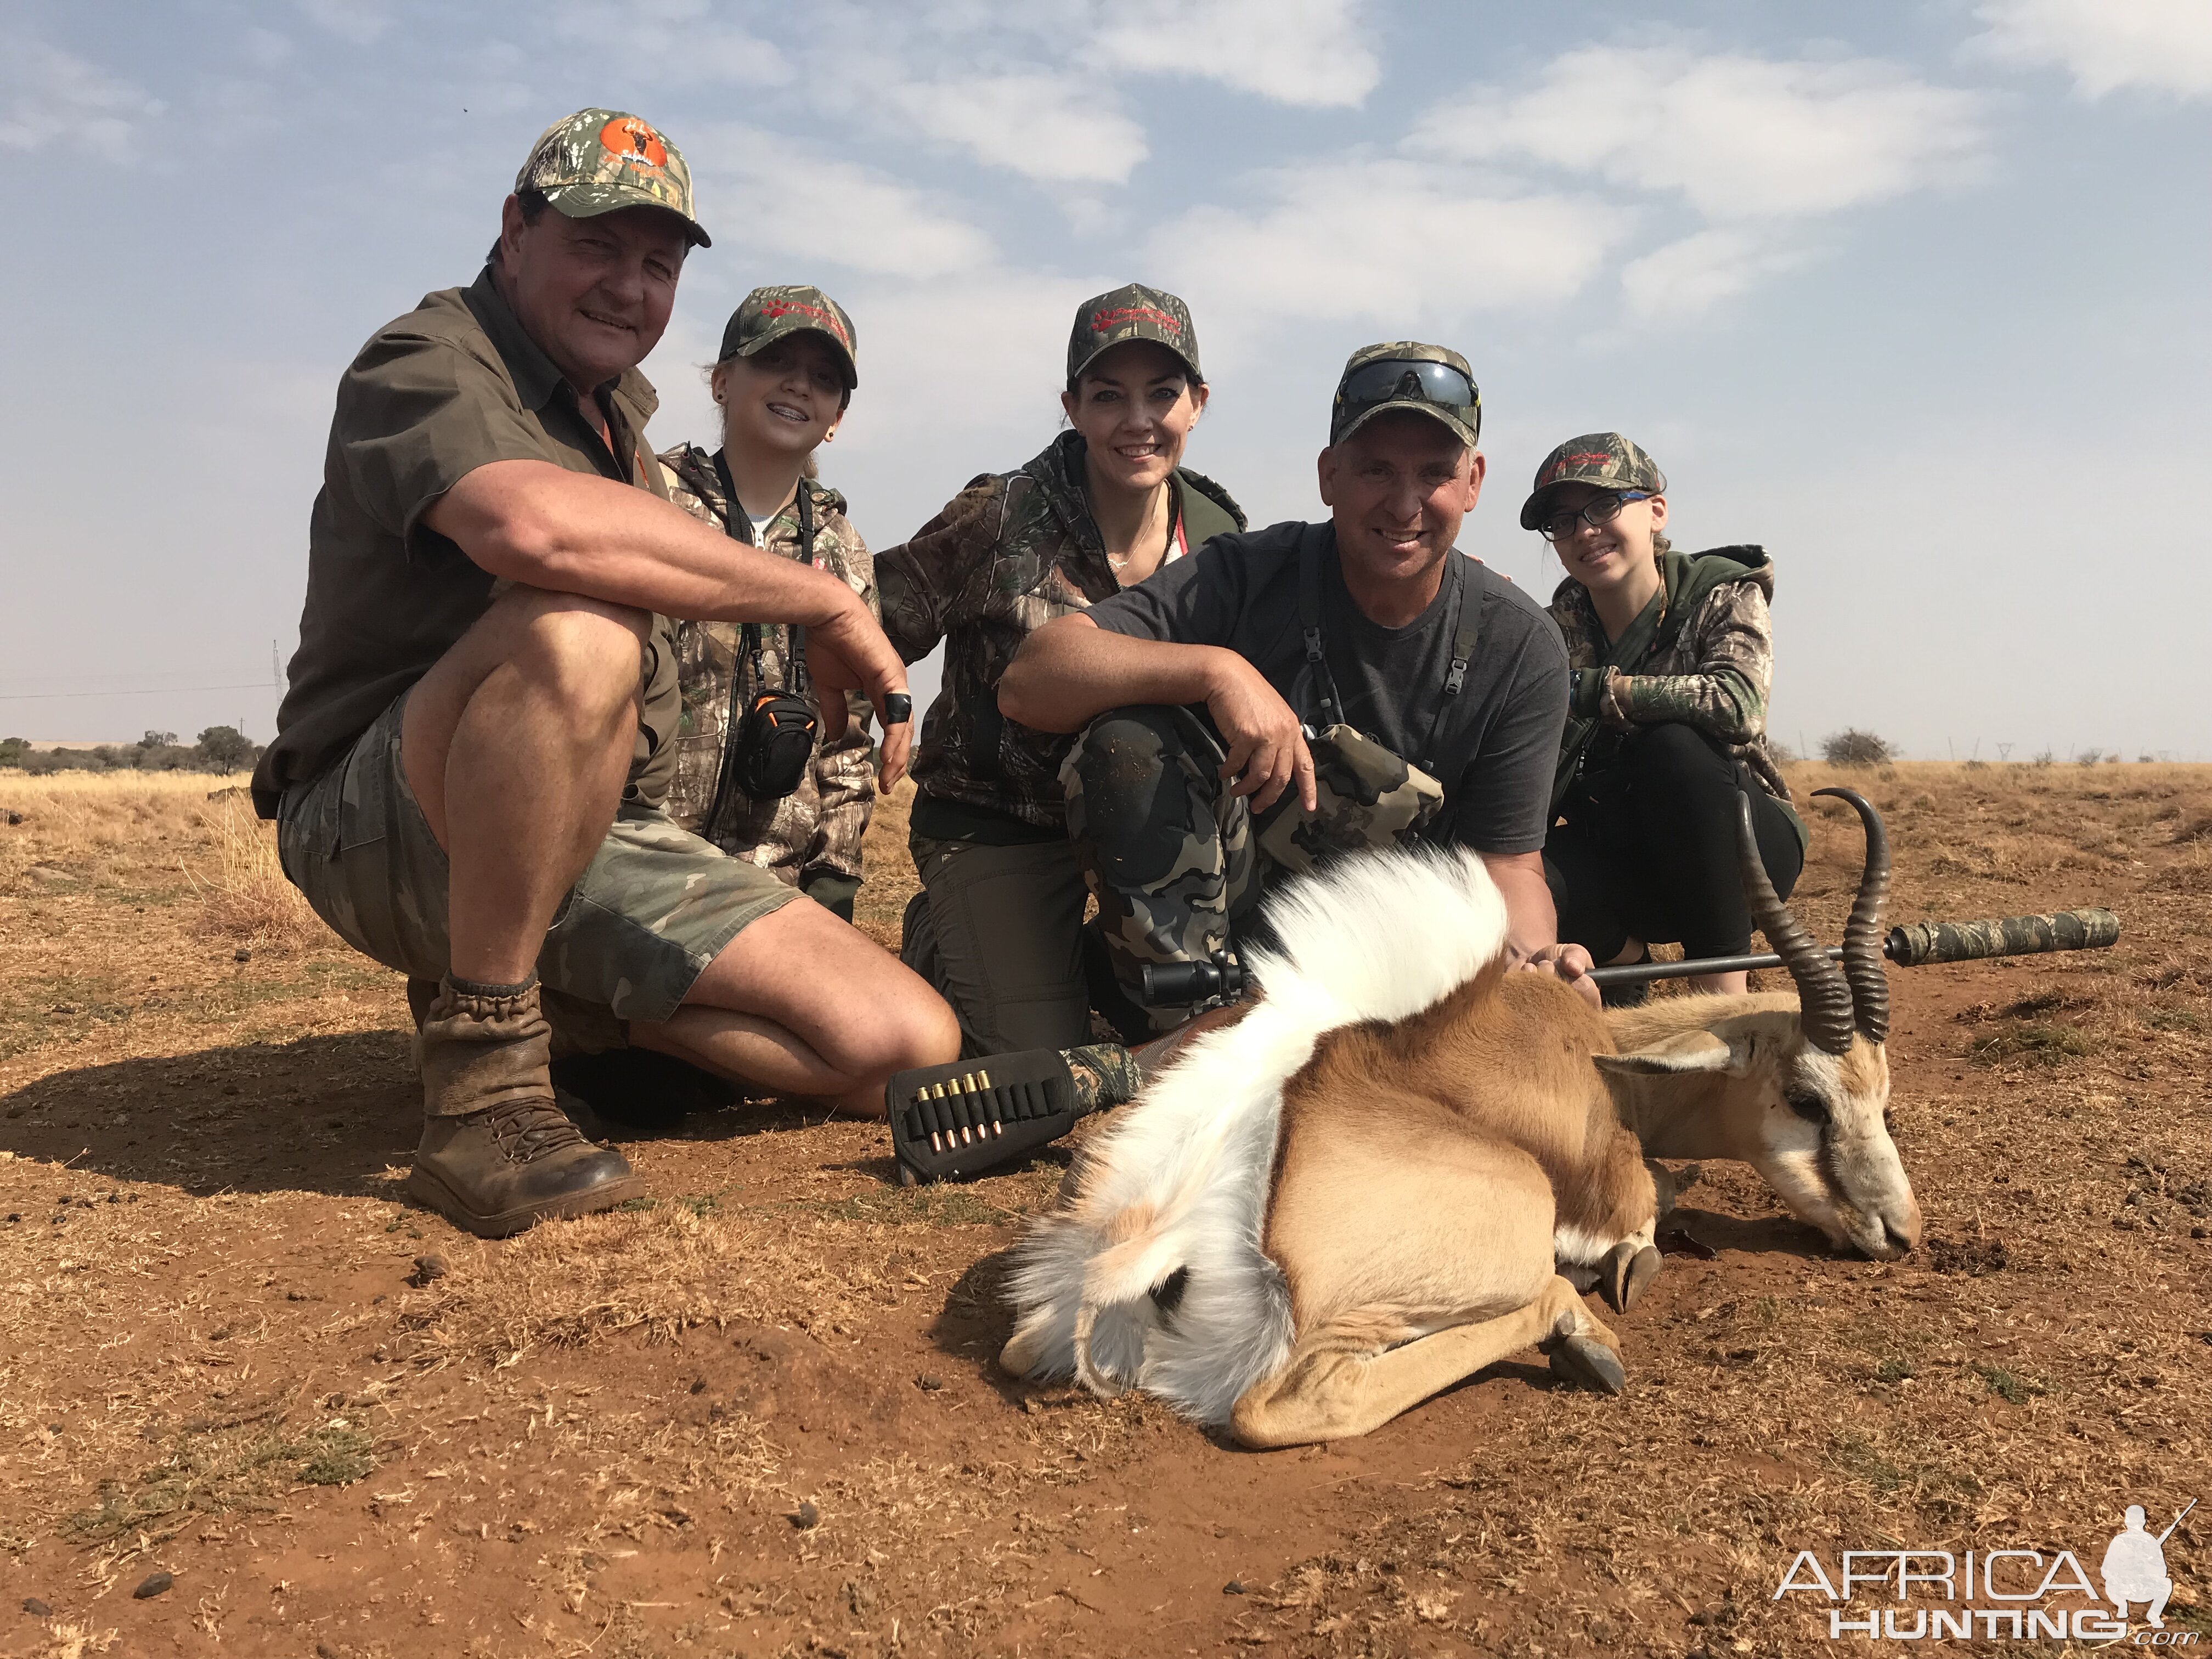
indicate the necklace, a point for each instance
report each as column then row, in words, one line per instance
column 1123, row 562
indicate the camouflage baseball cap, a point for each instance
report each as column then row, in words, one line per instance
column 770, row 314
column 1434, row 380
column 597, row 160
column 1134, row 312
column 1604, row 459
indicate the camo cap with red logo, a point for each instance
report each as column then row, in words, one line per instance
column 767, row 314
column 597, row 160
column 1603, row 458
column 1134, row 312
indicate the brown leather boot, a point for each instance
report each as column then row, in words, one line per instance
column 497, row 1153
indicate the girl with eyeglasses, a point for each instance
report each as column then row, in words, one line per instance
column 1671, row 658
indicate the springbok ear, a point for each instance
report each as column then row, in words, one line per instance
column 1686, row 1051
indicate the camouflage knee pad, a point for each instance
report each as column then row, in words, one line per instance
column 1365, row 796
column 1166, row 851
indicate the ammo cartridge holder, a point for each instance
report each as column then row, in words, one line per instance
column 974, row 1114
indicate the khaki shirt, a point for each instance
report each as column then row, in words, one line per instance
column 453, row 386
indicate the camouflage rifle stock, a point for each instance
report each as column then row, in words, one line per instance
column 1915, row 946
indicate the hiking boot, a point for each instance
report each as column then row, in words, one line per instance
column 497, row 1153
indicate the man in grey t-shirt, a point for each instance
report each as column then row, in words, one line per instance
column 1195, row 690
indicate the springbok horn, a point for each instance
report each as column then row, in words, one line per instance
column 1862, row 957
column 1824, row 1000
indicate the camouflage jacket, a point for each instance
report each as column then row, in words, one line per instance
column 1009, row 553
column 816, row 830
column 1710, row 665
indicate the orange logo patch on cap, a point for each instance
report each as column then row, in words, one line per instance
column 635, row 142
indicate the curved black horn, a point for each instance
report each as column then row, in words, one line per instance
column 1824, row 1000
column 1863, row 954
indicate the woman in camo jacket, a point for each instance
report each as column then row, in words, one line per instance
column 1672, row 657
column 998, row 926
column 784, row 380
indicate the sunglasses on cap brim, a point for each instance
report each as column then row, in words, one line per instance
column 1395, row 379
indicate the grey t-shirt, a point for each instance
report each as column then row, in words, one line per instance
column 1497, row 740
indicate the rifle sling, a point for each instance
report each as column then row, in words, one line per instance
column 1466, row 620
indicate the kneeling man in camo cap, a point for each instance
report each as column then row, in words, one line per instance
column 1287, row 695
column 469, row 765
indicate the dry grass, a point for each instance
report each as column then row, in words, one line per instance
column 77, row 829
column 243, row 893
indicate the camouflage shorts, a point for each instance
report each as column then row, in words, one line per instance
column 1176, row 861
column 651, row 910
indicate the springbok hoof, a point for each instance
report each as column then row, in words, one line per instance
column 1588, row 1363
column 1627, row 1269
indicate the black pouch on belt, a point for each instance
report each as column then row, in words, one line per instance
column 774, row 741
column 974, row 1114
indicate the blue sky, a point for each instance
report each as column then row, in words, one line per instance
column 1916, row 301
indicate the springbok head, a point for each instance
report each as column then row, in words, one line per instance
column 1805, row 1099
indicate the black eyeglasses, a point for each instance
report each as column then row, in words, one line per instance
column 1600, row 513
column 1397, row 379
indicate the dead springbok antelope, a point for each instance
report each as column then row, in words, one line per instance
column 1796, row 1086
column 1366, row 1187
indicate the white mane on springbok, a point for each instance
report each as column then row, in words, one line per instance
column 1155, row 1275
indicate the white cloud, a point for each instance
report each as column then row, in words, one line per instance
column 792, row 201
column 678, row 43
column 266, row 47
column 1699, row 271
column 1739, row 136
column 1055, row 128
column 1307, row 52
column 2160, row 46
column 51, row 99
column 362, row 21
column 1391, row 242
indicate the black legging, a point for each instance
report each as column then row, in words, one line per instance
column 1652, row 857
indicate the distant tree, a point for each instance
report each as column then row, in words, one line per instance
column 1853, row 747
column 1780, row 752
column 158, row 740
column 12, row 751
column 225, row 749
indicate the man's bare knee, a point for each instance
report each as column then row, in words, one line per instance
column 915, row 1029
column 586, row 652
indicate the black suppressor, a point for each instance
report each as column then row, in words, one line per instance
column 1178, row 984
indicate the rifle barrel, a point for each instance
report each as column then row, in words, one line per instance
column 1915, row 946
column 2177, row 1520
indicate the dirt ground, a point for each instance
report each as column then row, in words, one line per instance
column 757, row 1414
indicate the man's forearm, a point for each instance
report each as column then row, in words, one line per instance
column 1071, row 671
column 543, row 526
column 1530, row 918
